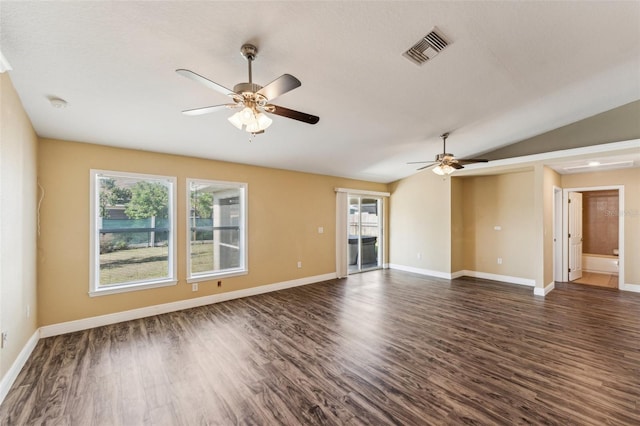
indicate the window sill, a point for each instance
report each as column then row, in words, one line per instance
column 132, row 287
column 217, row 276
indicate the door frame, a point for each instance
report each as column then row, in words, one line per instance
column 557, row 233
column 565, row 227
column 575, row 235
column 342, row 229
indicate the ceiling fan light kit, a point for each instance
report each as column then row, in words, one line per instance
column 251, row 100
column 252, row 120
column 443, row 170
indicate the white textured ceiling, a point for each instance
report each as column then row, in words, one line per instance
column 513, row 70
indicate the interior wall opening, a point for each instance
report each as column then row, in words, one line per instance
column 593, row 242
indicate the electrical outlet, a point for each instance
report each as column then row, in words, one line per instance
column 299, row 264
column 419, row 255
column 194, row 287
column 499, row 261
column 3, row 340
column 28, row 311
column 320, row 230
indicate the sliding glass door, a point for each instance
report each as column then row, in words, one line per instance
column 365, row 233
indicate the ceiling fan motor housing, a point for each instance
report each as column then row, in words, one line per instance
column 246, row 87
column 444, row 157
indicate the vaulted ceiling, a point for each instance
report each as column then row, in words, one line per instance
column 512, row 70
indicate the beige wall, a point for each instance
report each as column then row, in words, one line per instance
column 630, row 178
column 505, row 200
column 551, row 179
column 285, row 210
column 450, row 222
column 420, row 222
column 18, row 194
column 457, row 224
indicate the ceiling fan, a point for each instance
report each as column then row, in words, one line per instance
column 251, row 101
column 446, row 163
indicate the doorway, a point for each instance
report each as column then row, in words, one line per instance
column 365, row 233
column 593, row 236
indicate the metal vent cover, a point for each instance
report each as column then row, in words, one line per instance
column 426, row 48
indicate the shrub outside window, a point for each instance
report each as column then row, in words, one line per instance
column 132, row 231
column 216, row 229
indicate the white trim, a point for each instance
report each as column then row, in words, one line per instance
column 4, row 67
column 363, row 192
column 630, row 287
column 92, row 322
column 421, row 271
column 544, row 291
column 457, row 274
column 465, row 273
column 529, row 160
column 342, row 231
column 213, row 277
column 144, row 285
column 557, row 216
column 503, row 278
column 20, row 361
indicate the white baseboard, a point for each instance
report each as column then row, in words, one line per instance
column 502, row 278
column 630, row 287
column 457, row 274
column 465, row 273
column 543, row 291
column 99, row 321
column 420, row 271
column 20, row 361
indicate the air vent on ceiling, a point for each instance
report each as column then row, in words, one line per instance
column 426, row 48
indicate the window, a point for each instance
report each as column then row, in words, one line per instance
column 216, row 228
column 132, row 232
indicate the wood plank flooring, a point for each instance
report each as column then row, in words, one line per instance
column 383, row 347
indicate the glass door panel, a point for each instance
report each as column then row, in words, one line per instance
column 365, row 233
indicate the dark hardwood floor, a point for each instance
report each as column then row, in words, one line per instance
column 383, row 347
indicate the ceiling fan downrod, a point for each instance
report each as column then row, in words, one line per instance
column 444, row 137
column 249, row 51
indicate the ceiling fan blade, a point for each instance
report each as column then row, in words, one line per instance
column 427, row 166
column 279, row 86
column 471, row 160
column 205, row 82
column 456, row 166
column 207, row 110
column 289, row 113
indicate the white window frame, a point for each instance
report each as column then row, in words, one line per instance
column 243, row 269
column 95, row 289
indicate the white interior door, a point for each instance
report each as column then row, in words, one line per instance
column 575, row 235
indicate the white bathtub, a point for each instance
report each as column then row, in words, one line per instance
column 600, row 263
